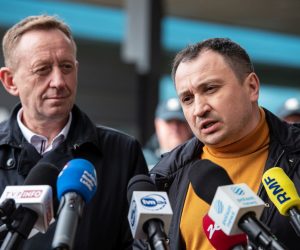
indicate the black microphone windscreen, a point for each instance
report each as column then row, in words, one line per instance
column 44, row 174
column 205, row 177
column 140, row 183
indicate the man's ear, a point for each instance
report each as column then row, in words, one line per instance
column 6, row 78
column 253, row 84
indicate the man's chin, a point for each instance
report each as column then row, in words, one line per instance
column 57, row 113
column 212, row 141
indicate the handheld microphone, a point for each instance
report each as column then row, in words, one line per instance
column 34, row 204
column 149, row 213
column 76, row 185
column 234, row 208
column 221, row 241
column 282, row 192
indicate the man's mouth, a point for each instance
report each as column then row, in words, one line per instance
column 207, row 125
column 56, row 97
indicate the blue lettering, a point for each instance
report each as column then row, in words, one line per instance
column 149, row 202
column 276, row 187
column 246, row 199
column 249, row 203
column 282, row 198
column 268, row 180
column 226, row 215
column 273, row 185
column 230, row 219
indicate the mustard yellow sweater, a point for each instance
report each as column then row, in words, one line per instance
column 244, row 162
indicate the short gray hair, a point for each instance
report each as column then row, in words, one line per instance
column 40, row 22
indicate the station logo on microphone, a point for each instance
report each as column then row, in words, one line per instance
column 147, row 205
column 153, row 202
column 230, row 203
column 133, row 214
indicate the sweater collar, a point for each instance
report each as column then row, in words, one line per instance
column 255, row 140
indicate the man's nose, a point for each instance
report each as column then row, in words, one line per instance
column 200, row 107
column 58, row 79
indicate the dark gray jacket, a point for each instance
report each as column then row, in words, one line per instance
column 171, row 175
column 116, row 157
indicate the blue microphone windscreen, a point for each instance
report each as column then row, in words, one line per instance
column 79, row 176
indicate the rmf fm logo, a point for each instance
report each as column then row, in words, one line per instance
column 281, row 195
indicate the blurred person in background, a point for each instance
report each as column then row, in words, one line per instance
column 47, row 126
column 290, row 110
column 171, row 129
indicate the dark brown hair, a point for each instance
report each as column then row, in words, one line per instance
column 237, row 57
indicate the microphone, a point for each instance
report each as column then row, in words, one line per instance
column 234, row 207
column 33, row 205
column 282, row 192
column 149, row 213
column 221, row 241
column 44, row 174
column 76, row 185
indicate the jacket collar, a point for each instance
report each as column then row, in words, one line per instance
column 174, row 160
column 82, row 130
column 282, row 132
column 81, row 140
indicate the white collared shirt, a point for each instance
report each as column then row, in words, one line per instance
column 39, row 141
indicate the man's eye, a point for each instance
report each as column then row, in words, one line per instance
column 186, row 99
column 66, row 68
column 43, row 70
column 211, row 89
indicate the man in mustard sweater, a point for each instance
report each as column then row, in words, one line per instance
column 218, row 90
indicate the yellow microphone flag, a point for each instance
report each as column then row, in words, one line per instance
column 281, row 190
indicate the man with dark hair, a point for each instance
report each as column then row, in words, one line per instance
column 41, row 69
column 218, row 91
